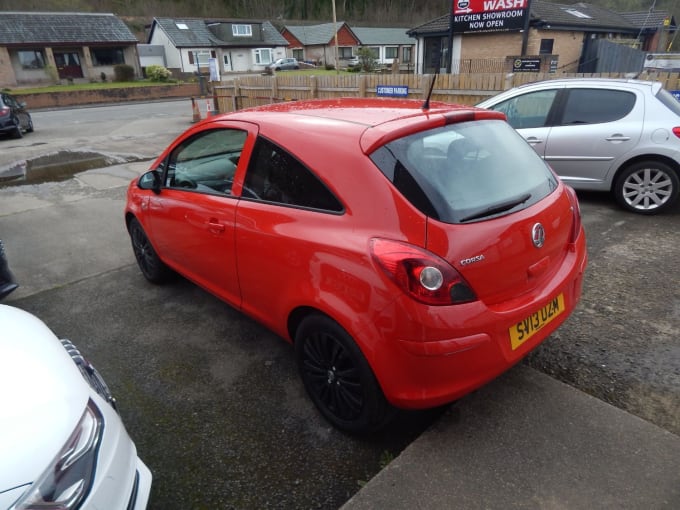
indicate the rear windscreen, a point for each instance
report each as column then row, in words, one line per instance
column 466, row 172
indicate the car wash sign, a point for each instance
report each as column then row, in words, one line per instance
column 489, row 15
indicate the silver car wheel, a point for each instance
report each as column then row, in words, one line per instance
column 647, row 187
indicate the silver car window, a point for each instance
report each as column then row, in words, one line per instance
column 594, row 106
column 529, row 110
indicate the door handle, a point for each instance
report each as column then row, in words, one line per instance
column 617, row 138
column 215, row 227
column 532, row 140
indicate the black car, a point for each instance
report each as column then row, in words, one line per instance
column 14, row 117
column 7, row 283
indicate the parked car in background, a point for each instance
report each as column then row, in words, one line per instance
column 285, row 64
column 621, row 136
column 411, row 253
column 15, row 120
column 353, row 62
column 62, row 441
column 7, row 282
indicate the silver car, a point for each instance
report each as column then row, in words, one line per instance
column 285, row 64
column 612, row 135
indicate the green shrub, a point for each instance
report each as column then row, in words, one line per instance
column 155, row 72
column 123, row 72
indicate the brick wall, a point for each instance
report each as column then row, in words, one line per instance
column 99, row 96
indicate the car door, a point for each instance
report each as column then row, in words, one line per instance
column 530, row 114
column 191, row 220
column 18, row 110
column 594, row 128
column 284, row 218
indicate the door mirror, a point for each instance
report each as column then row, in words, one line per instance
column 150, row 180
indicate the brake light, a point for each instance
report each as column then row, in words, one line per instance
column 421, row 274
column 676, row 131
column 4, row 110
column 576, row 212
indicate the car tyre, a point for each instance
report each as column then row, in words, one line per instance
column 152, row 267
column 29, row 129
column 17, row 133
column 647, row 187
column 338, row 378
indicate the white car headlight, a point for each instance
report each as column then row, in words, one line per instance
column 67, row 480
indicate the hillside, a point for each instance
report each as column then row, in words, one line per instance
column 407, row 13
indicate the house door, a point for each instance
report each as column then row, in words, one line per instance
column 436, row 54
column 68, row 65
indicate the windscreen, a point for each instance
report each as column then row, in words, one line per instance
column 466, row 172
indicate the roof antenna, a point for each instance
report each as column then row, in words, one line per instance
column 426, row 104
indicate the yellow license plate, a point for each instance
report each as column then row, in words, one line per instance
column 525, row 329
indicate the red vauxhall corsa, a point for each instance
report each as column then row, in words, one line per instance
column 410, row 252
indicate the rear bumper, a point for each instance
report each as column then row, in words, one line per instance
column 430, row 356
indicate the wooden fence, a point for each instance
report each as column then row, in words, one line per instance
column 248, row 91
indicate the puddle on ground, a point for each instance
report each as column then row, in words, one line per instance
column 58, row 166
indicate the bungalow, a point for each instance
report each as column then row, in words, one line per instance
column 316, row 43
column 388, row 45
column 47, row 47
column 191, row 44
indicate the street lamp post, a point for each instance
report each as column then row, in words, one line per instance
column 335, row 30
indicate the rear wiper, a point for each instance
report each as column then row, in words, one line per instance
column 497, row 208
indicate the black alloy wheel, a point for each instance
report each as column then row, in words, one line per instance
column 149, row 263
column 337, row 377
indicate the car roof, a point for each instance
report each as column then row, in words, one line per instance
column 592, row 81
column 641, row 85
column 375, row 120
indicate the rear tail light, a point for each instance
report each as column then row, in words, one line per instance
column 576, row 211
column 421, row 274
column 4, row 110
column 676, row 131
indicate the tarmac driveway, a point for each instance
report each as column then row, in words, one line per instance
column 213, row 401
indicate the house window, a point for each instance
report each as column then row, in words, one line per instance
column 546, row 46
column 375, row 51
column 391, row 52
column 242, row 30
column 407, row 54
column 107, row 56
column 200, row 57
column 577, row 13
column 225, row 59
column 262, row 56
column 345, row 52
column 299, row 54
column 31, row 59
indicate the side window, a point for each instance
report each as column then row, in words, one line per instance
column 276, row 176
column 593, row 106
column 528, row 110
column 206, row 162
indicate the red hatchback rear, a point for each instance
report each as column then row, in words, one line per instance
column 410, row 255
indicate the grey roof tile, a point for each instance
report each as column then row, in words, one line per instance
column 581, row 15
column 381, row 36
column 58, row 28
column 310, row 35
column 198, row 35
column 648, row 19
